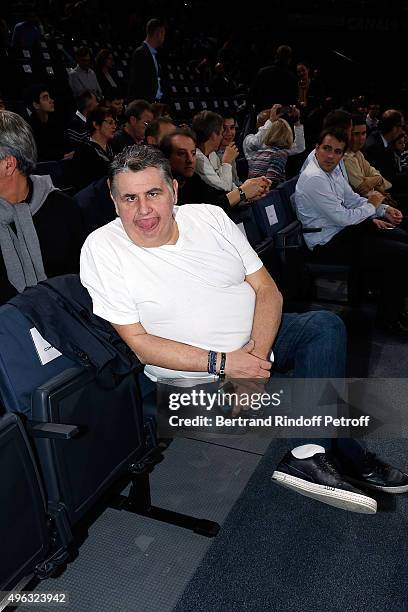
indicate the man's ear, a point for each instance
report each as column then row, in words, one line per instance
column 112, row 198
column 11, row 165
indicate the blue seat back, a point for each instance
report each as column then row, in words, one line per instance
column 21, row 370
column 287, row 189
column 244, row 217
column 272, row 214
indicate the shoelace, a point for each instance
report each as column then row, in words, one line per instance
column 328, row 464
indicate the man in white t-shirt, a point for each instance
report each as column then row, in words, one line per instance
column 187, row 293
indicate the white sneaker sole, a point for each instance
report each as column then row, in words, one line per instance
column 346, row 500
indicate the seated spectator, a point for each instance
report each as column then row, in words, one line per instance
column 82, row 77
column 229, row 130
column 254, row 142
column 160, row 110
column 379, row 152
column 41, row 232
column 157, row 129
column 352, row 228
column 76, row 131
column 217, row 173
column 104, row 63
column 96, row 205
column 372, row 118
column 91, row 159
column 48, row 133
column 336, row 119
column 180, row 148
column 213, row 311
column 362, row 177
column 138, row 115
column 400, row 149
column 270, row 161
column 116, row 105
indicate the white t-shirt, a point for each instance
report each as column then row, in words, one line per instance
column 192, row 292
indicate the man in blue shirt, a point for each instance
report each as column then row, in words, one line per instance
column 354, row 229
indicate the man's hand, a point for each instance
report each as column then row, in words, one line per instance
column 230, row 154
column 241, row 364
column 375, row 198
column 382, row 224
column 256, row 188
column 393, row 215
column 274, row 112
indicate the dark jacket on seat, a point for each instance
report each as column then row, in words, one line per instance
column 61, row 310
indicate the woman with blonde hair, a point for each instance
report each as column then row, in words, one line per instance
column 270, row 160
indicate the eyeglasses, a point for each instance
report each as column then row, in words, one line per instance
column 109, row 121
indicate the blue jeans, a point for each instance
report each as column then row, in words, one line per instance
column 311, row 345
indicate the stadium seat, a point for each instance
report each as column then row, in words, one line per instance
column 24, row 533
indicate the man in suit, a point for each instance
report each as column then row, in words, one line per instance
column 379, row 152
column 144, row 77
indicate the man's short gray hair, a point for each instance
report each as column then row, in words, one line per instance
column 17, row 140
column 137, row 158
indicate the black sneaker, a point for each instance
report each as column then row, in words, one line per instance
column 369, row 471
column 318, row 477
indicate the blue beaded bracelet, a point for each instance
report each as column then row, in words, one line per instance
column 212, row 362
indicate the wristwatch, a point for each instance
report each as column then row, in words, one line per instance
column 242, row 195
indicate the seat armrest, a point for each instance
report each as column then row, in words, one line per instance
column 53, row 431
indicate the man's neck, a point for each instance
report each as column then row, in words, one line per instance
column 387, row 137
column 42, row 115
column 181, row 180
column 150, row 42
column 14, row 189
column 129, row 132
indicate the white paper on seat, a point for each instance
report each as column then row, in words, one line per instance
column 45, row 351
column 271, row 214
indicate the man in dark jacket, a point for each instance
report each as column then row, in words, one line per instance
column 144, row 77
column 379, row 151
column 275, row 83
column 40, row 227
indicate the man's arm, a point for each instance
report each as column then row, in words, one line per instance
column 268, row 312
column 184, row 357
